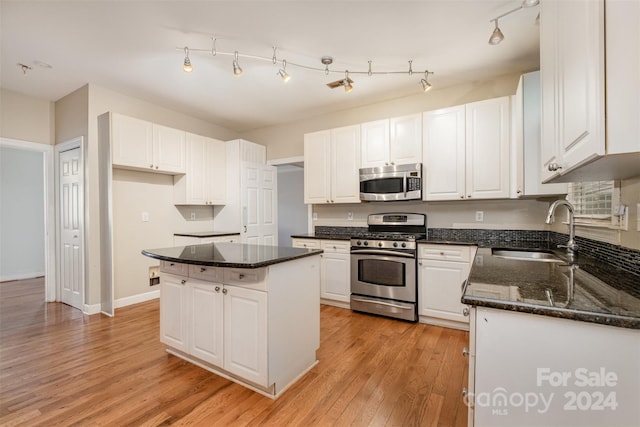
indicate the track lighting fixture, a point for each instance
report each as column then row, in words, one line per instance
column 497, row 36
column 426, row 86
column 348, row 87
column 283, row 72
column 326, row 61
column 237, row 71
column 186, row 66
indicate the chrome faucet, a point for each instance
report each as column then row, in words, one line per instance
column 571, row 245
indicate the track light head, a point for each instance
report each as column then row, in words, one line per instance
column 496, row 36
column 348, row 87
column 282, row 72
column 426, row 86
column 186, row 65
column 237, row 71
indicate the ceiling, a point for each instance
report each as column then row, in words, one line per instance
column 131, row 47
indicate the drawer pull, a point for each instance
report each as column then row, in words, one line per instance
column 202, row 269
column 240, row 276
column 442, row 253
column 183, row 281
column 171, row 264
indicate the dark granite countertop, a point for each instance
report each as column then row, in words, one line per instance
column 207, row 233
column 234, row 255
column 585, row 289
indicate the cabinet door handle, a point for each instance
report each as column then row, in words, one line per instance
column 553, row 167
column 465, row 352
column 183, row 281
column 217, row 288
column 156, row 167
column 462, row 196
column 202, row 269
column 224, row 291
column 465, row 312
column 240, row 276
column 151, row 166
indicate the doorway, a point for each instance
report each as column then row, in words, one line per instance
column 28, row 213
column 293, row 213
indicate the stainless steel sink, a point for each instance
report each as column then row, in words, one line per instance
column 540, row 255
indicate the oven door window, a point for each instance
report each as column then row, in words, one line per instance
column 381, row 272
column 382, row 186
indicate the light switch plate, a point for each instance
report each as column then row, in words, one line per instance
column 145, row 216
column 315, row 216
column 349, row 216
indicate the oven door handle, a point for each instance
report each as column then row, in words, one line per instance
column 381, row 252
column 382, row 303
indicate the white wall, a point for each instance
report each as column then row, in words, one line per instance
column 292, row 212
column 21, row 214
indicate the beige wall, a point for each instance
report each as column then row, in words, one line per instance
column 498, row 214
column 287, row 140
column 26, row 118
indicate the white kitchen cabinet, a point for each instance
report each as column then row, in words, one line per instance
column 525, row 150
column 174, row 327
column 570, row 364
column 572, row 63
column 142, row 145
column 335, row 269
column 205, row 180
column 206, row 320
column 259, row 327
column 466, row 151
column 331, row 166
column 442, row 269
column 245, row 333
column 394, row 141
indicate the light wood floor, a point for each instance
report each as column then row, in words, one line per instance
column 59, row 367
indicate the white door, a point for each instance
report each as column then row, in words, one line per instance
column 258, row 184
column 71, row 227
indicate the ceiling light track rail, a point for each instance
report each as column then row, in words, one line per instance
column 325, row 60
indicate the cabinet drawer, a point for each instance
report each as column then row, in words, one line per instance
column 209, row 274
column 174, row 268
column 306, row 243
column 248, row 278
column 339, row 246
column 446, row 252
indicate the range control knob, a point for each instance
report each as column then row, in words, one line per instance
column 358, row 243
column 404, row 245
column 395, row 244
column 380, row 244
column 366, row 243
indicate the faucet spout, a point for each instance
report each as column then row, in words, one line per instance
column 571, row 245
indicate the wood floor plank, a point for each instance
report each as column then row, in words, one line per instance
column 60, row 367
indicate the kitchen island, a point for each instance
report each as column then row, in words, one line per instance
column 553, row 342
column 249, row 313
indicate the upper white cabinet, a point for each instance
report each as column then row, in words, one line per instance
column 142, row 145
column 394, row 141
column 572, row 77
column 331, row 166
column 525, row 149
column 205, row 180
column 466, row 151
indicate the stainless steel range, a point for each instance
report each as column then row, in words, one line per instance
column 383, row 265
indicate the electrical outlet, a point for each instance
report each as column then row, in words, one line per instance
column 479, row 260
column 193, row 215
column 145, row 216
column 479, row 216
column 315, row 216
column 349, row 216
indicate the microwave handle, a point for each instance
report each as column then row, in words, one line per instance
column 404, row 185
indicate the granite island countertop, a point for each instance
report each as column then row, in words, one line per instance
column 203, row 234
column 233, row 255
column 586, row 289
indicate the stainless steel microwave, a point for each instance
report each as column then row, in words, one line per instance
column 391, row 183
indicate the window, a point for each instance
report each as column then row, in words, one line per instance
column 595, row 202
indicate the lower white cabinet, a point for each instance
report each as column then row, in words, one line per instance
column 442, row 270
column 259, row 327
column 533, row 370
column 335, row 269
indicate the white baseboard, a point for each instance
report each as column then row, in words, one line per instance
column 91, row 309
column 135, row 299
column 23, row 276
